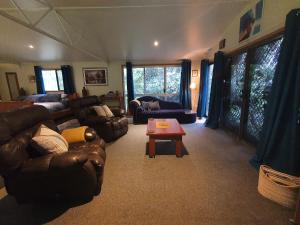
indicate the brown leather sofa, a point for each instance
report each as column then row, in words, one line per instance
column 109, row 129
column 74, row 175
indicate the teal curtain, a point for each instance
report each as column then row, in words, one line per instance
column 185, row 91
column 204, row 76
column 215, row 102
column 130, row 87
column 40, row 88
column 67, row 74
column 279, row 147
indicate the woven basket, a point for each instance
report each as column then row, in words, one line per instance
column 278, row 187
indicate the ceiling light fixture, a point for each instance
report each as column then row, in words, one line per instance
column 156, row 43
column 30, row 46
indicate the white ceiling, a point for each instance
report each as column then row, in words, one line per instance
column 112, row 30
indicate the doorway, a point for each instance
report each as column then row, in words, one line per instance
column 13, row 85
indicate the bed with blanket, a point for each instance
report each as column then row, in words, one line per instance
column 53, row 102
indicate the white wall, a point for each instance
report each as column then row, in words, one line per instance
column 24, row 70
column 23, row 80
column 195, row 92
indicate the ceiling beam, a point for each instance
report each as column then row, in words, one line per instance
column 30, row 26
column 63, row 28
column 20, row 11
column 42, row 17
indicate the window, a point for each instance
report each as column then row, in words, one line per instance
column 53, row 80
column 161, row 81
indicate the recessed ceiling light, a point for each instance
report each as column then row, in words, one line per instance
column 156, row 43
column 30, row 46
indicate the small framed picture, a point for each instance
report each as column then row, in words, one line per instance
column 194, row 73
column 95, row 76
column 222, row 43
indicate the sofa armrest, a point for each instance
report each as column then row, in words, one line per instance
column 37, row 165
column 68, row 160
column 133, row 105
column 52, row 162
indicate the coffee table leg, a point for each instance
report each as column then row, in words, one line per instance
column 178, row 146
column 151, row 147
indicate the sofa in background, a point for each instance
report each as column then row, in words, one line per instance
column 109, row 129
column 166, row 110
column 73, row 175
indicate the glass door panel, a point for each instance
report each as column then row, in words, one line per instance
column 262, row 68
column 234, row 96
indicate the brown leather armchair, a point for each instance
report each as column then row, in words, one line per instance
column 74, row 175
column 108, row 128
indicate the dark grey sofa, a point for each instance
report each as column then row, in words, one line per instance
column 167, row 110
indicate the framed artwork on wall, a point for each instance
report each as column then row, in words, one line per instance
column 95, row 76
column 194, row 73
column 222, row 43
column 250, row 22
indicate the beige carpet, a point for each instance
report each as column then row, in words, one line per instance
column 214, row 184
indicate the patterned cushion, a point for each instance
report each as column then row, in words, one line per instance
column 146, row 105
column 49, row 141
column 107, row 111
column 99, row 110
column 154, row 105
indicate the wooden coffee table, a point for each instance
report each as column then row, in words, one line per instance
column 172, row 131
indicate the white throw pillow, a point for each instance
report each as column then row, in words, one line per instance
column 107, row 111
column 99, row 110
column 50, row 141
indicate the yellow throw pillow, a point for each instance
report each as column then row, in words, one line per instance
column 107, row 111
column 74, row 134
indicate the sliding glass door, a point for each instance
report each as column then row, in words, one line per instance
column 247, row 87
